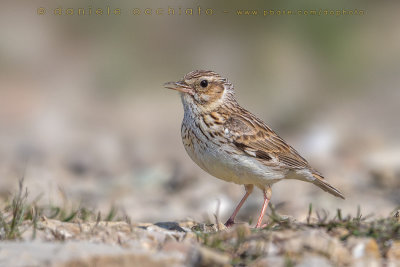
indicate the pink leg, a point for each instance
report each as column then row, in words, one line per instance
column 231, row 220
column 267, row 196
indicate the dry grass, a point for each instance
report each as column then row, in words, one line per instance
column 384, row 231
column 17, row 210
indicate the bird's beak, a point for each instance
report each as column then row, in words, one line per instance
column 180, row 86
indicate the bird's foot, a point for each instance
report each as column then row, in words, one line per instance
column 261, row 226
column 229, row 223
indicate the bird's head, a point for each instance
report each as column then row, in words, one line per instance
column 205, row 90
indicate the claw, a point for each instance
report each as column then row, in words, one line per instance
column 229, row 223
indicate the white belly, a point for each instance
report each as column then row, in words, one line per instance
column 219, row 162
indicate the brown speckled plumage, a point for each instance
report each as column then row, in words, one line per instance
column 232, row 144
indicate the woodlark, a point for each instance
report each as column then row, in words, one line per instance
column 232, row 144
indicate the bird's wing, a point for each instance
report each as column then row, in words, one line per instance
column 255, row 139
column 252, row 137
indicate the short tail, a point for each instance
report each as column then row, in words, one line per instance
column 321, row 183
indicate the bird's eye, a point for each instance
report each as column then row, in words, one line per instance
column 204, row 83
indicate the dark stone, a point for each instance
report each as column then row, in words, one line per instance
column 172, row 226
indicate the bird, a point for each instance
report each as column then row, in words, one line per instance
column 230, row 143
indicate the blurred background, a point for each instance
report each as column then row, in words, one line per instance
column 85, row 119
